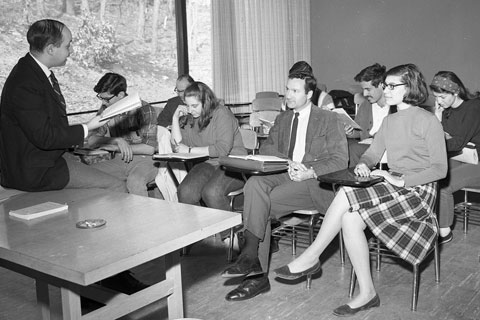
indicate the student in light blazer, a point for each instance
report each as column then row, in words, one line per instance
column 320, row 147
column 34, row 129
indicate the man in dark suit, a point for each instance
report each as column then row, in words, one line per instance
column 370, row 113
column 314, row 142
column 34, row 129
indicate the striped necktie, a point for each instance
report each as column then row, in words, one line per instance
column 293, row 136
column 56, row 88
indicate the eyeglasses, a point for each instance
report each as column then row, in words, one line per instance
column 106, row 100
column 392, row 86
column 178, row 91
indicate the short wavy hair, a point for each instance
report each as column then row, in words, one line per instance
column 44, row 32
column 373, row 73
column 417, row 90
column 310, row 80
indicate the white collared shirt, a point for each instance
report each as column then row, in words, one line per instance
column 378, row 114
column 303, row 117
column 48, row 72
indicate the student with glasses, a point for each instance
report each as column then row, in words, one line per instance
column 398, row 211
column 460, row 115
column 165, row 117
column 131, row 135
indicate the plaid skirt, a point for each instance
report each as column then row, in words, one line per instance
column 402, row 218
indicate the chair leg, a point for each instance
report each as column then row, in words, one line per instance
column 378, row 255
column 437, row 262
column 342, row 248
column 310, row 229
column 294, row 241
column 415, row 287
column 353, row 280
column 230, row 247
column 465, row 212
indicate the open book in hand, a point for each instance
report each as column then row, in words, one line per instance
column 129, row 103
column 345, row 118
column 468, row 155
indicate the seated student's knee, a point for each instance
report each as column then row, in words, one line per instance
column 256, row 183
column 118, row 186
column 137, row 186
column 352, row 219
column 186, row 194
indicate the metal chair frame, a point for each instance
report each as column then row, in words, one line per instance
column 466, row 211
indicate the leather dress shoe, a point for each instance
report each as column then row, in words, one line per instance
column 274, row 244
column 242, row 267
column 124, row 282
column 284, row 272
column 345, row 310
column 249, row 288
column 446, row 239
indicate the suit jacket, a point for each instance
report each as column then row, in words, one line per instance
column 364, row 118
column 34, row 131
column 325, row 147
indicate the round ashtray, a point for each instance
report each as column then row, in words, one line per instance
column 91, row 223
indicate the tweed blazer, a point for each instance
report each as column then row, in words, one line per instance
column 325, row 145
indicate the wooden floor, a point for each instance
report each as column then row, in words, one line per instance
column 456, row 297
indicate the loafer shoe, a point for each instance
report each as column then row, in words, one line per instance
column 446, row 239
column 285, row 273
column 346, row 311
column 274, row 245
column 242, row 267
column 249, row 288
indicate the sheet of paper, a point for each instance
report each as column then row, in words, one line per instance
column 346, row 119
column 129, row 103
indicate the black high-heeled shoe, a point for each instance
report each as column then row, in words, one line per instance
column 346, row 310
column 285, row 273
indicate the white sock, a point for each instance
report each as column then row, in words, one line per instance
column 444, row 231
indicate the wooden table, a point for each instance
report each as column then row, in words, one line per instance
column 139, row 229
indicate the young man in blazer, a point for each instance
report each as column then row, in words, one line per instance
column 371, row 112
column 34, row 129
column 317, row 146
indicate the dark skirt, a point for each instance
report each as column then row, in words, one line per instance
column 402, row 218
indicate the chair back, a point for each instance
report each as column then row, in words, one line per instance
column 250, row 141
column 266, row 94
column 267, row 101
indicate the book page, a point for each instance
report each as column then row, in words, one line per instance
column 129, row 103
column 178, row 155
column 263, row 158
column 345, row 118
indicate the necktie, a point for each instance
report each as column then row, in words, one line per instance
column 56, row 88
column 293, row 136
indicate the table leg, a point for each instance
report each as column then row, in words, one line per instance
column 43, row 299
column 71, row 309
column 174, row 272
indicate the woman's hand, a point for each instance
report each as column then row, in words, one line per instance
column 180, row 148
column 182, row 110
column 362, row 170
column 396, row 181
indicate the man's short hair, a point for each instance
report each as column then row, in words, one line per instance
column 112, row 83
column 373, row 73
column 44, row 32
column 186, row 77
column 310, row 81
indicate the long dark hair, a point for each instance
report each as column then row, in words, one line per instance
column 208, row 100
column 463, row 93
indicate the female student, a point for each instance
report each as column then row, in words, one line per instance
column 399, row 211
column 206, row 126
column 461, row 123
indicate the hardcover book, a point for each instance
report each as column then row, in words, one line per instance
column 38, row 210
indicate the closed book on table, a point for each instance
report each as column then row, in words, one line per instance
column 38, row 210
column 255, row 163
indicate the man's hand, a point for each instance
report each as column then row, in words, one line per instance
column 95, row 123
column 125, row 149
column 180, row 148
column 299, row 172
column 348, row 130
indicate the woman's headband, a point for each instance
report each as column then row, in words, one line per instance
column 445, row 84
